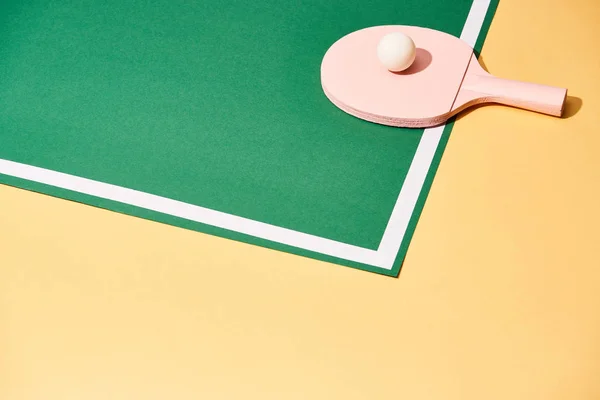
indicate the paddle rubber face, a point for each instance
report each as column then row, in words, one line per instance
column 423, row 95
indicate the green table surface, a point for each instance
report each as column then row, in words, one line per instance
column 214, row 104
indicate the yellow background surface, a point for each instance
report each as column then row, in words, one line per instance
column 499, row 297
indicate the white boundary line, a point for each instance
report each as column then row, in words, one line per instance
column 392, row 238
column 419, row 168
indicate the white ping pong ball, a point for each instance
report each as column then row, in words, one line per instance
column 396, row 51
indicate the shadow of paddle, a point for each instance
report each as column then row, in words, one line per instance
column 482, row 63
column 572, row 106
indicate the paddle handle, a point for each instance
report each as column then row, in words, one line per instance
column 529, row 96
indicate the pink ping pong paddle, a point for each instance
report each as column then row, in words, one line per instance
column 445, row 79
